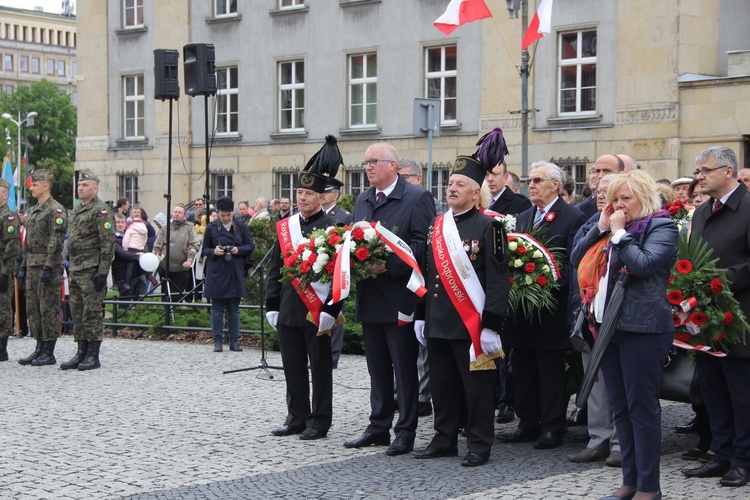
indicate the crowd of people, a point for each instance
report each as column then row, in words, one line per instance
column 616, row 241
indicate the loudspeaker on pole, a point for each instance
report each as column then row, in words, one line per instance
column 166, row 85
column 200, row 69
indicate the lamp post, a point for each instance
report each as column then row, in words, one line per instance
column 28, row 121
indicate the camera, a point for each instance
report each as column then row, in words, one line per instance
column 227, row 252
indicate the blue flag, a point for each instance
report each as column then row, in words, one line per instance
column 8, row 176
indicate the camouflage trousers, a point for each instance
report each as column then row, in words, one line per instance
column 86, row 306
column 6, row 311
column 43, row 302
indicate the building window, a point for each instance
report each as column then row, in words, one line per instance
column 129, row 187
column 24, row 64
column 575, row 168
column 291, row 96
column 285, row 181
column 438, row 184
column 60, row 68
column 8, row 62
column 133, row 101
column 440, row 80
column 9, row 89
column 132, row 13
column 223, row 8
column 363, row 90
column 222, row 182
column 577, row 72
column 227, row 101
column 35, row 65
column 356, row 181
column 50, row 67
column 74, row 68
column 291, row 4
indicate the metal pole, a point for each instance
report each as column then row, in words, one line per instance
column 524, row 97
column 18, row 159
column 429, row 149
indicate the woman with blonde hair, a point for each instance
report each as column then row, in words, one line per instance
column 635, row 236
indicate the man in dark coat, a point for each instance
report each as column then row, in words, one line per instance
column 724, row 224
column 538, row 345
column 466, row 239
column 382, row 301
column 226, row 243
column 604, row 165
column 504, row 200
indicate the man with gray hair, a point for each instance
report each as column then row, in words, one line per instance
column 538, row 346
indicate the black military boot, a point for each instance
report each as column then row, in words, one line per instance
column 73, row 363
column 92, row 356
column 4, row 349
column 47, row 356
column 31, row 357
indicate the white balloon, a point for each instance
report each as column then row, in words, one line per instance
column 149, row 262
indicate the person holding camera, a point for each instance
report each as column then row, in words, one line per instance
column 226, row 243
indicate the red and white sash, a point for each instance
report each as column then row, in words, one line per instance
column 290, row 234
column 458, row 277
column 400, row 248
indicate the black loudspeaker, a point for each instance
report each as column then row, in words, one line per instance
column 166, row 85
column 200, row 68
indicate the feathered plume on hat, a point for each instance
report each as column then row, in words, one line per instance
column 322, row 166
column 492, row 148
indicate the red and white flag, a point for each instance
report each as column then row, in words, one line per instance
column 460, row 12
column 540, row 25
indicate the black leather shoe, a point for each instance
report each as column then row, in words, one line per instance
column 234, row 346
column 689, row 428
column 736, row 476
column 432, row 452
column 711, row 469
column 424, row 409
column 400, row 446
column 285, row 430
column 311, row 434
column 369, row 439
column 548, row 440
column 626, row 496
column 520, row 435
column 473, row 460
column 505, row 414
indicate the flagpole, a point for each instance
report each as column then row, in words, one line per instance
column 524, row 97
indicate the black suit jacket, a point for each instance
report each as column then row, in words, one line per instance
column 409, row 209
column 552, row 331
column 727, row 232
column 341, row 216
column 510, row 203
column 588, row 206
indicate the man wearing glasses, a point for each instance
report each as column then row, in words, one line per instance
column 390, row 348
column 723, row 222
column 604, row 165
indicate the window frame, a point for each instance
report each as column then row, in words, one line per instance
column 578, row 62
column 137, row 7
column 438, row 183
column 60, row 67
column 292, row 88
column 285, row 182
column 290, row 4
column 365, row 81
column 139, row 100
column 38, row 62
column 230, row 8
column 8, row 62
column 441, row 75
column 23, row 64
column 128, row 186
column 227, row 184
column 225, row 95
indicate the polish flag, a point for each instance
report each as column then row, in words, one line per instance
column 460, row 12
column 540, row 25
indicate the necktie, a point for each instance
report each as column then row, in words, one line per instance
column 717, row 205
column 538, row 218
column 380, row 197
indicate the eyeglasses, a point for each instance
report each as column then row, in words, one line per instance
column 374, row 162
column 408, row 176
column 706, row 170
column 600, row 192
column 537, row 180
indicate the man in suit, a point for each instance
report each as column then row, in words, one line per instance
column 381, row 301
column 724, row 224
column 466, row 239
column 539, row 344
column 504, row 200
column 604, row 165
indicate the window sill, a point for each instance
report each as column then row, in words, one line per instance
column 569, row 122
column 574, row 119
column 289, row 135
column 131, row 143
column 227, row 138
column 450, row 127
column 284, row 12
column 131, row 31
column 351, row 3
column 224, row 19
column 360, row 131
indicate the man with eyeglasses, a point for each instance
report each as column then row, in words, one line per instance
column 504, row 200
column 605, row 164
column 539, row 346
column 383, row 301
column 723, row 222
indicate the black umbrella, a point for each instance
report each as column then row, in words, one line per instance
column 606, row 330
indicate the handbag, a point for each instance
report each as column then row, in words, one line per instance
column 680, row 380
column 577, row 338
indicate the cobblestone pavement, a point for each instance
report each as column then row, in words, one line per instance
column 161, row 420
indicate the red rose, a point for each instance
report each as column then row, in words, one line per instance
column 361, row 254
column 728, row 318
column 331, row 267
column 675, row 297
column 530, row 267
column 716, row 285
column 521, row 250
column 541, row 281
column 305, row 267
column 358, row 234
column 311, row 245
column 511, row 238
column 682, row 336
column 334, row 239
column 719, row 337
column 290, row 261
column 684, row 266
column 698, row 318
column 511, row 280
column 312, row 258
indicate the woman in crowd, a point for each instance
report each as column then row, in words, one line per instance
column 633, row 235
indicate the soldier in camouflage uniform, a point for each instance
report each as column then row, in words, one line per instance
column 91, row 244
column 10, row 242
column 46, row 223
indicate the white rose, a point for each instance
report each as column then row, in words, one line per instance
column 371, row 235
column 512, row 246
column 518, row 263
column 306, row 254
column 529, row 279
column 322, row 258
column 536, row 255
column 317, row 267
column 352, row 246
column 545, row 269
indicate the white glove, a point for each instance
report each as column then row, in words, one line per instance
column 326, row 322
column 273, row 318
column 490, row 341
column 419, row 331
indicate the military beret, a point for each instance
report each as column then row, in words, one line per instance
column 88, row 175
column 42, row 175
column 4, row 184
